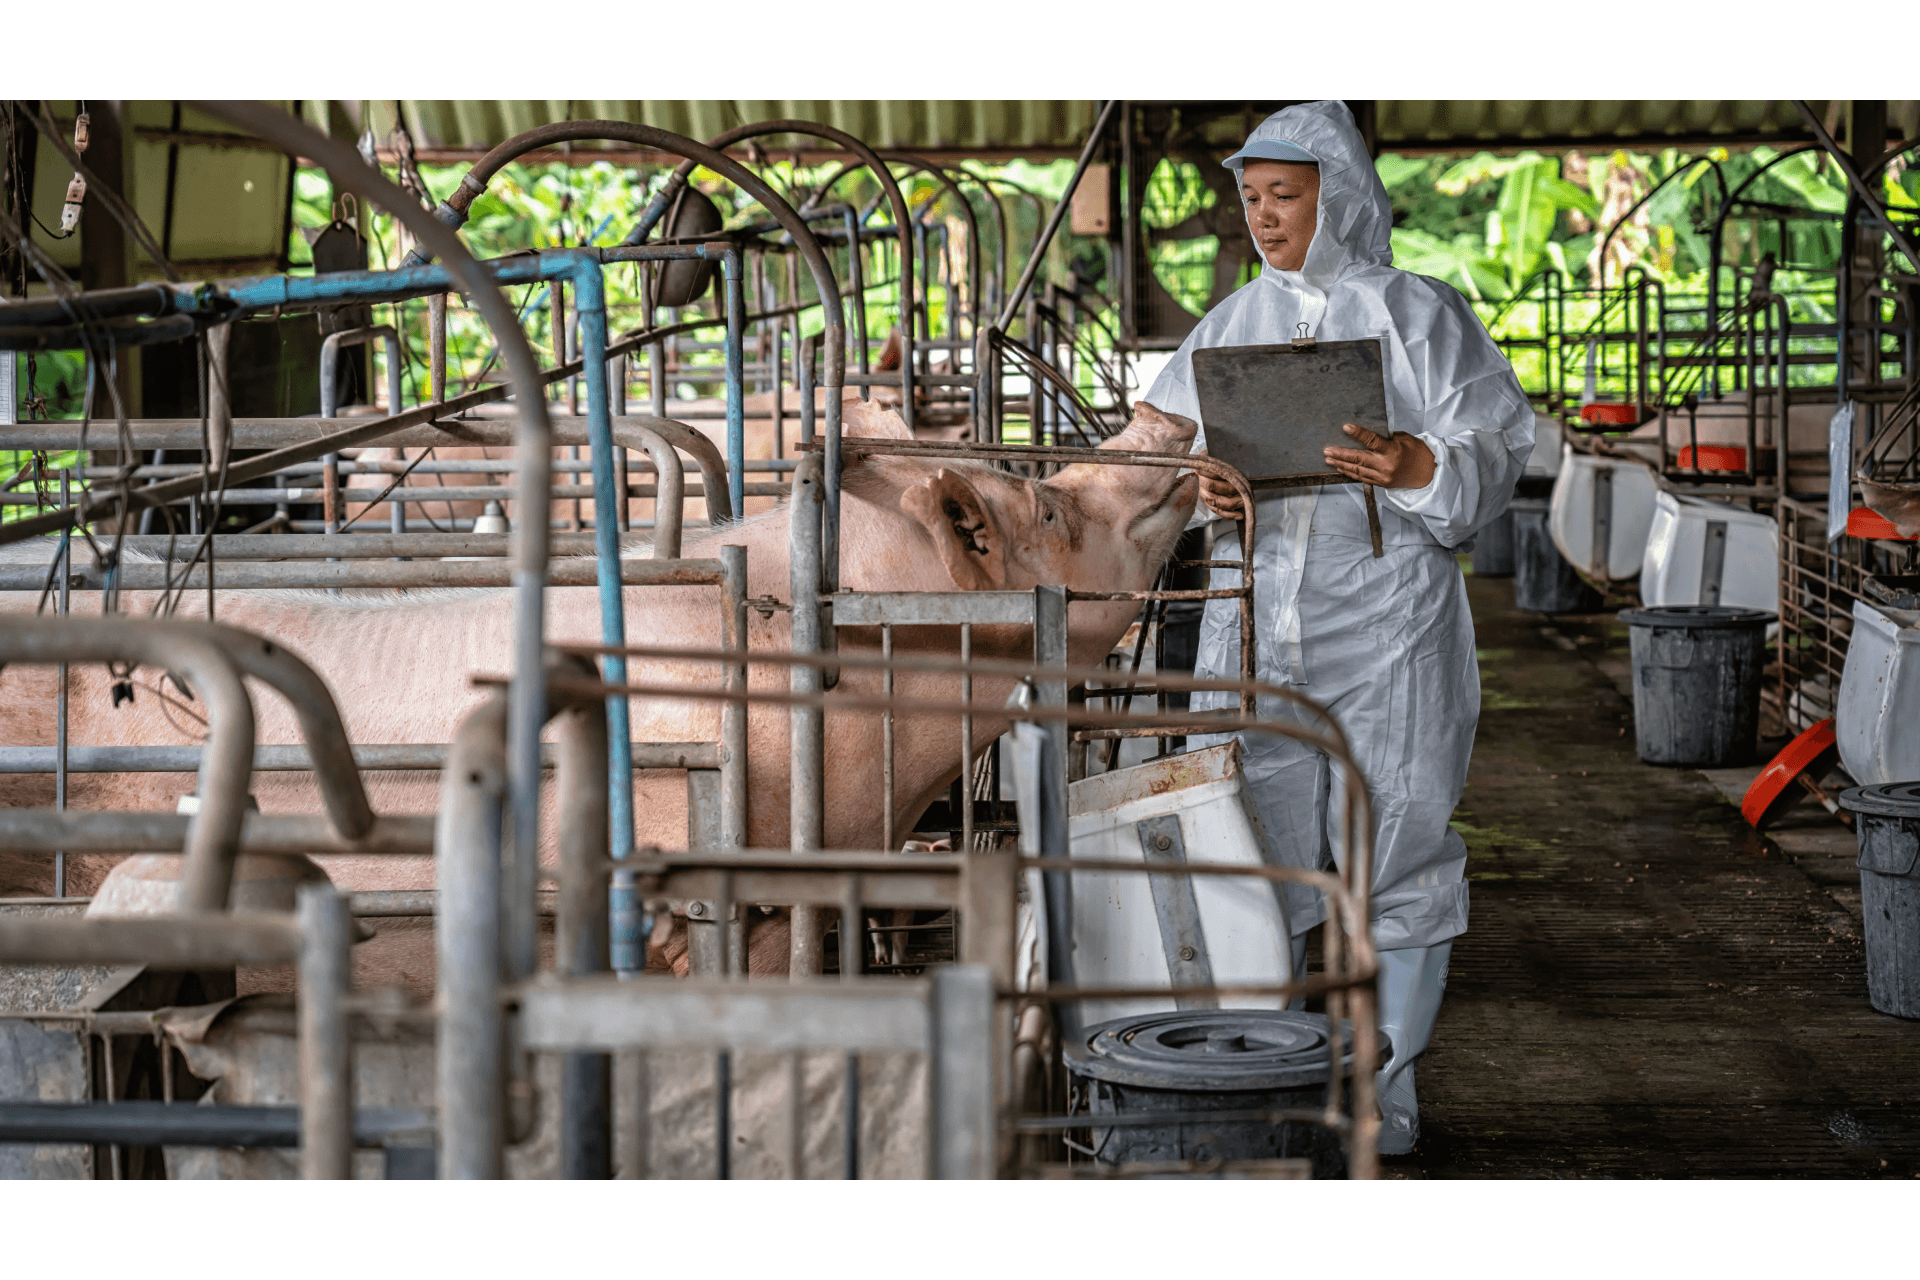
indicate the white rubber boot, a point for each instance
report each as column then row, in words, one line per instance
column 1412, row 981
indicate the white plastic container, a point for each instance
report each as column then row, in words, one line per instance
column 1702, row 552
column 1622, row 491
column 1547, row 447
column 1243, row 933
column 1877, row 719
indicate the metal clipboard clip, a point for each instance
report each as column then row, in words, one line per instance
column 1302, row 340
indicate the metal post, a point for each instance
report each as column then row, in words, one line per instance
column 586, row 1079
column 736, row 384
column 733, row 715
column 617, row 388
column 60, row 728
column 326, row 1050
column 437, row 348
column 467, row 943
column 808, row 346
column 808, row 742
column 590, row 310
column 961, row 1073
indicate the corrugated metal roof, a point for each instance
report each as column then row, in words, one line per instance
column 1060, row 125
column 943, row 125
column 1509, row 122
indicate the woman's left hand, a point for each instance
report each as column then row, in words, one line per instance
column 1403, row 462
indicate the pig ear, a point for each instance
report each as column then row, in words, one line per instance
column 865, row 419
column 1152, row 431
column 954, row 513
column 890, row 353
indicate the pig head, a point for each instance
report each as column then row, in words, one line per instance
column 1091, row 527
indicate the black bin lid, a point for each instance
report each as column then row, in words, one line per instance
column 1696, row 617
column 1207, row 1050
column 1887, row 800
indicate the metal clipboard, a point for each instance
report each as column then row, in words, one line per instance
column 1270, row 410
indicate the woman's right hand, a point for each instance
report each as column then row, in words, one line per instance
column 1221, row 498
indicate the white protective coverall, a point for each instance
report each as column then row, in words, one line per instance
column 1385, row 644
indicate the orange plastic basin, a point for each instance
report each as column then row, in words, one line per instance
column 1778, row 788
column 1607, row 413
column 1865, row 522
column 1716, row 457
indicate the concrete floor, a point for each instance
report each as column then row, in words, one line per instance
column 1648, row 987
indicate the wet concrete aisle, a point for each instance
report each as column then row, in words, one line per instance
column 1647, row 988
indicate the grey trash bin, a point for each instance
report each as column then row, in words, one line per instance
column 1207, row 1060
column 1887, row 825
column 1543, row 581
column 1493, row 548
column 1696, row 682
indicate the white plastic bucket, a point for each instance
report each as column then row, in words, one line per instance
column 1592, row 493
column 1118, row 939
column 1701, row 552
column 1877, row 719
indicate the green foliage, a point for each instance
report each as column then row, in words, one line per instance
column 1521, row 228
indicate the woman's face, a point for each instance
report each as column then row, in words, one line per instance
column 1282, row 199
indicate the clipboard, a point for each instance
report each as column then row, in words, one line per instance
column 1270, row 410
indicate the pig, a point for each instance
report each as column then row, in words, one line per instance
column 400, row 663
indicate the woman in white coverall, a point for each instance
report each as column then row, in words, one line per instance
column 1385, row 644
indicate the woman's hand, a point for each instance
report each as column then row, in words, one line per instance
column 1404, row 462
column 1221, row 498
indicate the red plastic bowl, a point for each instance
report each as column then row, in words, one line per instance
column 1778, row 789
column 1865, row 522
column 1607, row 413
column 1716, row 457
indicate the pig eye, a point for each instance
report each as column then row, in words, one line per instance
column 1049, row 517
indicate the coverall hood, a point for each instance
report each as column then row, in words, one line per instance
column 1355, row 219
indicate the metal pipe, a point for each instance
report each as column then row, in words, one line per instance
column 281, row 576
column 326, row 1048
column 276, row 433
column 733, row 716
column 161, row 942
column 282, row 759
column 423, row 493
column 468, row 946
column 586, row 1103
column 213, row 838
column 36, row 830
column 371, row 546
column 219, row 397
column 808, row 740
column 736, row 387
column 436, row 348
